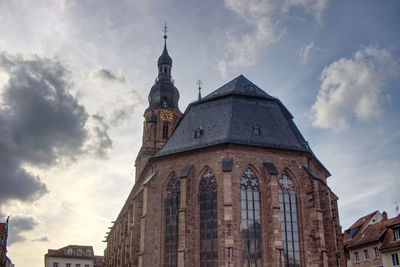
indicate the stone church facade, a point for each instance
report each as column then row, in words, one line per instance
column 230, row 182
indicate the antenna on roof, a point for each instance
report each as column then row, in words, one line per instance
column 199, row 83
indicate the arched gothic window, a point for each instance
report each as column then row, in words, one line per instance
column 208, row 221
column 251, row 224
column 165, row 130
column 172, row 222
column 289, row 225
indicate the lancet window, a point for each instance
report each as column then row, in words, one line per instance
column 251, row 223
column 208, row 221
column 289, row 222
column 165, row 130
column 172, row 202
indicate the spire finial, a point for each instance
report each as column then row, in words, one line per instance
column 199, row 83
column 165, row 30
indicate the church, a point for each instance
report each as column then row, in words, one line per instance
column 229, row 182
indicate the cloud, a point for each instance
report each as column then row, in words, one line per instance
column 99, row 141
column 264, row 17
column 42, row 239
column 126, row 107
column 304, row 52
column 353, row 88
column 107, row 75
column 41, row 124
column 18, row 225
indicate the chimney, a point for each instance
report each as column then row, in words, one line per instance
column 384, row 216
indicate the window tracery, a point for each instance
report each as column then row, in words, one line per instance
column 251, row 223
column 172, row 202
column 208, row 220
column 289, row 222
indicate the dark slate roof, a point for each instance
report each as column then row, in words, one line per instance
column 164, row 58
column 239, row 113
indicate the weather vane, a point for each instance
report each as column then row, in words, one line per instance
column 165, row 30
column 199, row 83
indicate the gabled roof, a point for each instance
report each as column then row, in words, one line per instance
column 238, row 113
column 376, row 232
column 63, row 252
column 363, row 220
column 389, row 241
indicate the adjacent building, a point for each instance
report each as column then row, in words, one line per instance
column 373, row 240
column 72, row 256
column 229, row 182
column 4, row 260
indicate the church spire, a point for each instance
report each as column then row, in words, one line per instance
column 164, row 61
column 164, row 93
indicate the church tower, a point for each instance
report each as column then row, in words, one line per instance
column 231, row 182
column 162, row 114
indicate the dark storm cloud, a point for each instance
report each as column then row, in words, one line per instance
column 41, row 123
column 17, row 226
column 107, row 75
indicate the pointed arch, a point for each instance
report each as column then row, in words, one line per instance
column 251, row 218
column 171, row 204
column 208, row 219
column 289, row 220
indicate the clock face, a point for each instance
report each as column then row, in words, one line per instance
column 166, row 115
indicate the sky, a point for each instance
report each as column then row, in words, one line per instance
column 75, row 76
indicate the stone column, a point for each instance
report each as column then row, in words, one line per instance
column 227, row 165
column 143, row 228
column 182, row 224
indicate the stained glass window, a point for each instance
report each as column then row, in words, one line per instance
column 208, row 221
column 251, row 225
column 172, row 222
column 289, row 225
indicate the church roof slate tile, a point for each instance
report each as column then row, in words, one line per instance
column 239, row 113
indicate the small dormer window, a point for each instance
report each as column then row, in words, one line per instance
column 396, row 234
column 88, row 252
column 69, row 251
column 79, row 252
column 256, row 130
column 198, row 132
column 349, row 235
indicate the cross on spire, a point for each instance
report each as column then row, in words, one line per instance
column 199, row 83
column 165, row 30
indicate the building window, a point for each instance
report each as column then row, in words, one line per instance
column 77, row 265
column 68, row 265
column 172, row 222
column 69, row 251
column 349, row 235
column 366, row 255
column 79, row 252
column 208, row 220
column 88, row 253
column 376, row 252
column 395, row 259
column 165, row 131
column 87, row 265
column 356, row 258
column 396, row 234
column 251, row 225
column 289, row 225
column 55, row 264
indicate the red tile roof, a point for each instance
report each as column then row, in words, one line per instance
column 373, row 232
